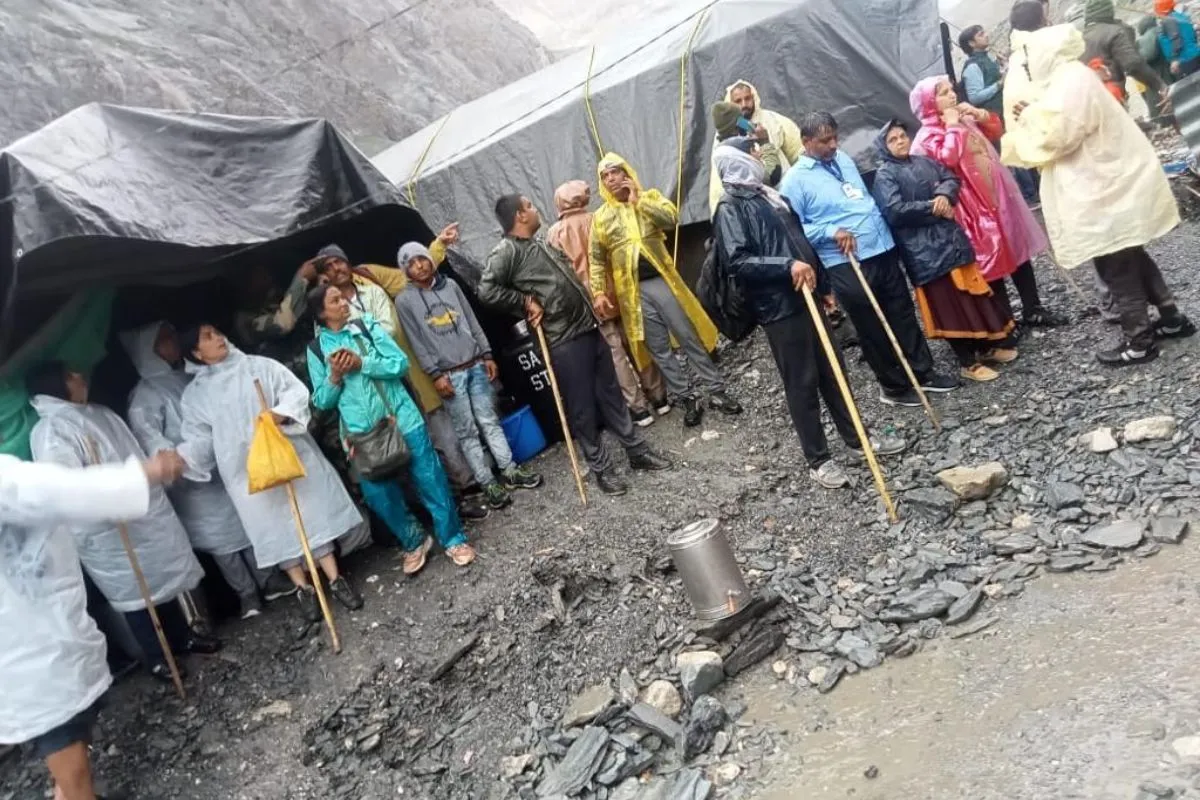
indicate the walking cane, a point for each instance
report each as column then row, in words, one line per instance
column 865, row 440
column 314, row 574
column 144, row 588
column 562, row 414
column 887, row 328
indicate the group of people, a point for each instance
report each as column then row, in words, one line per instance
column 346, row 349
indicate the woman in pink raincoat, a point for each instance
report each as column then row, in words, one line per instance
column 1002, row 229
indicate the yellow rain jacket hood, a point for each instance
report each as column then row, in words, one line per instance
column 621, row 233
column 1103, row 188
column 785, row 137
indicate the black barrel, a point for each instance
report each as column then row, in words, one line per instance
column 526, row 377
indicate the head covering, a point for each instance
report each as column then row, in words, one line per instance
column 571, row 196
column 332, row 251
column 410, row 250
column 738, row 169
column 139, row 344
column 725, row 117
column 1050, row 48
column 881, row 138
column 1164, row 7
column 923, row 100
column 1098, row 11
column 614, row 161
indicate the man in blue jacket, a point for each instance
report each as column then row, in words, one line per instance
column 840, row 218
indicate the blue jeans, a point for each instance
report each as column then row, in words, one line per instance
column 386, row 498
column 1028, row 180
column 473, row 412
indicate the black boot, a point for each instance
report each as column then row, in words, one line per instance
column 611, row 483
column 693, row 412
column 722, row 402
column 649, row 461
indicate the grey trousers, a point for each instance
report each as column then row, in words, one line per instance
column 588, row 381
column 662, row 317
column 241, row 573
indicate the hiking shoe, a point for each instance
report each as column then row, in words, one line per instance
column 908, row 399
column 649, row 461
column 1042, row 317
column 1126, row 356
column 1179, row 327
column 643, row 418
column 203, row 645
column 722, row 402
column 345, row 593
column 162, row 673
column 887, row 444
column 278, row 585
column 693, row 412
column 1000, row 355
column 251, row 606
column 829, row 475
column 414, row 560
column 310, row 606
column 978, row 373
column 611, row 483
column 461, row 554
column 471, row 508
column 938, row 383
column 496, row 496
column 520, row 478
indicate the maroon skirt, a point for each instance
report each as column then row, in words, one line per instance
column 962, row 306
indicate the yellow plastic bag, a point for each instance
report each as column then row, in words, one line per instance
column 272, row 460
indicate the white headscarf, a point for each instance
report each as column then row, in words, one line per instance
column 737, row 168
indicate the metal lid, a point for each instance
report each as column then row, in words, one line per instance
column 690, row 534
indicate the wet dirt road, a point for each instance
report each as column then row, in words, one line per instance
column 1078, row 692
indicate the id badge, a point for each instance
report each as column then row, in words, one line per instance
column 851, row 191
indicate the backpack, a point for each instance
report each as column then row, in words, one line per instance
column 723, row 298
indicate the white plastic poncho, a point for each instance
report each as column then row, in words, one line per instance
column 52, row 662
column 62, row 436
column 219, row 409
column 1103, row 189
column 155, row 417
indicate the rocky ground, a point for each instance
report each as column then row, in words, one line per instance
column 564, row 663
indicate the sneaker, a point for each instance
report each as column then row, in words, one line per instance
column 251, row 606
column 496, row 496
column 345, row 593
column 310, row 606
column 1043, row 318
column 693, row 412
column 978, row 373
column 521, row 478
column 1000, row 355
column 471, row 508
column 722, row 402
column 1178, row 328
column 907, row 399
column 643, row 418
column 649, row 461
column 887, row 444
column 611, row 483
column 938, row 383
column 162, row 673
column 461, row 554
column 829, row 475
column 1126, row 356
column 278, row 585
column 414, row 561
column 203, row 645
column 662, row 408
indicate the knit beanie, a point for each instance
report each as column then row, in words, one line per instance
column 725, row 117
column 1164, row 7
column 1098, row 11
column 332, row 251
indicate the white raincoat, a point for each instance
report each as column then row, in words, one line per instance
column 783, row 132
column 67, row 434
column 219, row 409
column 1103, row 188
column 52, row 662
column 155, row 417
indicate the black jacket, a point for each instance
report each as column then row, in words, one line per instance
column 757, row 243
column 930, row 246
column 520, row 268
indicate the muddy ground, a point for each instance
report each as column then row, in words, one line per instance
column 562, row 598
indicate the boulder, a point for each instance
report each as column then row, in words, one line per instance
column 663, row 696
column 974, row 483
column 700, row 672
column 1100, row 440
column 1150, row 429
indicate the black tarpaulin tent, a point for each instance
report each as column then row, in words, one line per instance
column 857, row 59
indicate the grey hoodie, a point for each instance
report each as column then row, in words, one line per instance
column 441, row 326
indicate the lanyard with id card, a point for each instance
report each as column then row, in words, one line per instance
column 851, row 191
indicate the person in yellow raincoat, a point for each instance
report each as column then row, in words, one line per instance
column 629, row 238
column 1104, row 194
column 770, row 128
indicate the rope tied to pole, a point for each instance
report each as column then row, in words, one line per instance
column 587, row 101
column 683, row 65
column 410, row 185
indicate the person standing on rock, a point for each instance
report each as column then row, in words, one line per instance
column 840, row 218
column 760, row 243
column 1104, row 190
column 643, row 389
column 629, row 241
column 53, row 671
column 526, row 276
column 918, row 197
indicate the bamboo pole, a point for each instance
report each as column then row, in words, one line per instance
column 562, row 414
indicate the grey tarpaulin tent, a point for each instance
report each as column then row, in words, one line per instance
column 855, row 58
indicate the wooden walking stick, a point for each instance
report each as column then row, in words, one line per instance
column 144, row 588
column 314, row 573
column 562, row 414
column 887, row 328
column 865, row 440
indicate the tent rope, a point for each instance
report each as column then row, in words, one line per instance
column 410, row 186
column 587, row 101
column 683, row 65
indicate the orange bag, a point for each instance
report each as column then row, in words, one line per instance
column 272, row 460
